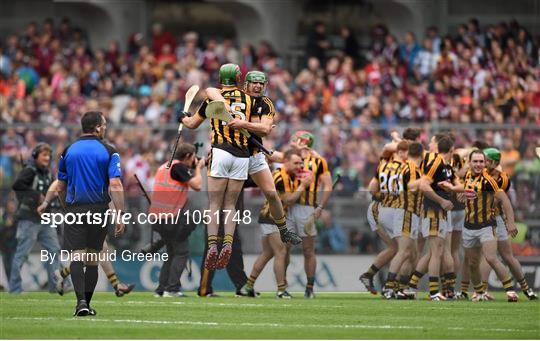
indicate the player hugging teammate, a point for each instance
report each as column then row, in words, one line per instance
column 428, row 199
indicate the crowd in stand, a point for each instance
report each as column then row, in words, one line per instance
column 51, row 74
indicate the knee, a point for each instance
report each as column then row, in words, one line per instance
column 491, row 259
column 309, row 252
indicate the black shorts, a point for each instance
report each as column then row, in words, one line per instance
column 88, row 234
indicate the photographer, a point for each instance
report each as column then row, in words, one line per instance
column 169, row 196
column 30, row 187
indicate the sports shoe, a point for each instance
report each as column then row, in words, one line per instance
column 450, row 295
column 402, row 295
column 224, row 257
column 158, row 294
column 123, row 289
column 81, row 309
column 437, row 297
column 290, row 237
column 388, row 293
column 211, row 258
column 210, row 294
column 173, row 294
column 512, row 296
column 247, row 292
column 285, row 295
column 462, row 295
column 59, row 282
column 530, row 294
column 476, row 297
column 92, row 312
column 309, row 294
column 410, row 293
column 367, row 281
column 489, row 297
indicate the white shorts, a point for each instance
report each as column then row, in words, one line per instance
column 473, row 238
column 435, row 227
column 373, row 215
column 257, row 163
column 226, row 165
column 502, row 232
column 457, row 219
column 397, row 222
column 297, row 217
column 267, row 229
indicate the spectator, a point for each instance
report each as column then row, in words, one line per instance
column 332, row 239
column 317, row 42
column 408, row 51
column 160, row 38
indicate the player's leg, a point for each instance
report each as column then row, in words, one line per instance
column 260, row 263
column 473, row 254
column 489, row 250
column 463, row 293
column 383, row 257
column 279, row 250
column 235, row 267
column 230, row 216
column 216, row 195
column 310, row 264
column 26, row 236
column 401, row 256
column 120, row 289
column 504, row 246
column 448, row 278
column 263, row 180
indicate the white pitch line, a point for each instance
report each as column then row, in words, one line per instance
column 228, row 324
column 275, row 325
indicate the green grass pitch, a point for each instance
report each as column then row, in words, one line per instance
column 329, row 316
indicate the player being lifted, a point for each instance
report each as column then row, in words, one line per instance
column 479, row 238
column 260, row 124
column 228, row 163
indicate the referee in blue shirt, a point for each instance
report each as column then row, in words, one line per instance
column 89, row 169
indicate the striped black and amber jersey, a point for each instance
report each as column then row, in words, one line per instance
column 390, row 183
column 284, row 184
column 457, row 163
column 262, row 107
column 382, row 162
column 479, row 210
column 504, row 183
column 318, row 166
column 436, row 169
column 411, row 201
column 226, row 138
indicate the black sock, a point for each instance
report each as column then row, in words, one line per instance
column 77, row 277
column 91, row 277
column 310, row 282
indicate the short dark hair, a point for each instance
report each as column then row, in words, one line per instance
column 415, row 149
column 411, row 134
column 403, row 146
column 440, row 136
column 478, row 144
column 184, row 150
column 445, row 144
column 290, row 152
column 91, row 120
column 476, row 151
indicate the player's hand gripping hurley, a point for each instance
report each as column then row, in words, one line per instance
column 190, row 95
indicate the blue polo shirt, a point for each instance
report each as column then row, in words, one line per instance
column 86, row 166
